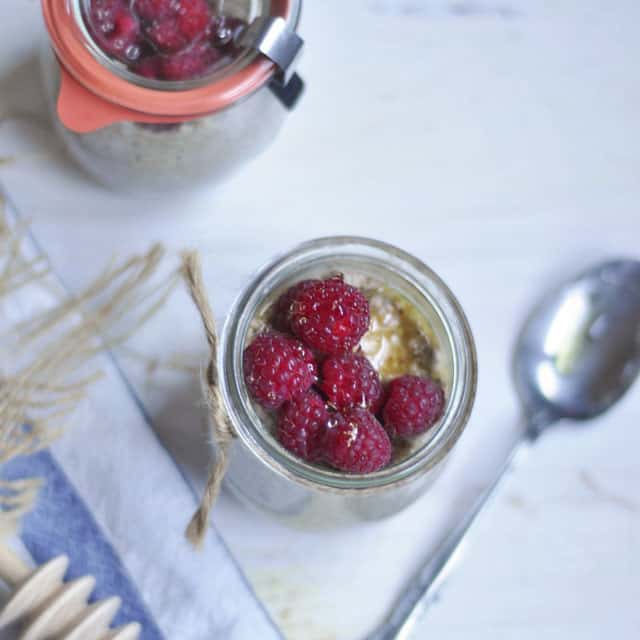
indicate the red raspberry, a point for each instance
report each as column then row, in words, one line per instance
column 149, row 67
column 172, row 25
column 330, row 315
column 278, row 368
column 284, row 305
column 115, row 28
column 194, row 18
column 103, row 13
column 355, row 442
column 190, row 63
column 351, row 381
column 165, row 34
column 413, row 406
column 301, row 425
column 153, row 9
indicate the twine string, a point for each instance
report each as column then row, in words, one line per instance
column 43, row 387
column 43, row 374
column 220, row 429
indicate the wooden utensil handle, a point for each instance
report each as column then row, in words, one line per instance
column 13, row 570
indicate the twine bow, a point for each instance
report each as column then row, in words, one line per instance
column 221, row 430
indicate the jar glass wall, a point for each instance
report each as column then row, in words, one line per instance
column 262, row 472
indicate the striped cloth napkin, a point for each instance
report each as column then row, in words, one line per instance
column 116, row 503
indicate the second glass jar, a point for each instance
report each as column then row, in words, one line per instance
column 149, row 136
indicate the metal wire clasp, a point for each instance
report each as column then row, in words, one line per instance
column 273, row 37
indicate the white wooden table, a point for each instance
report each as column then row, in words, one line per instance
column 499, row 140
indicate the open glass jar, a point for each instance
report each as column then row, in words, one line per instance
column 266, row 475
column 150, row 120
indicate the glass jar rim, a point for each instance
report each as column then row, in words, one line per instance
column 464, row 365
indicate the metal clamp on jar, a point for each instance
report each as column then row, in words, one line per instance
column 147, row 103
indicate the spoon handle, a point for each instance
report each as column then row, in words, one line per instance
column 422, row 589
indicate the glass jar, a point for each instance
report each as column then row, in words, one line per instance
column 262, row 472
column 145, row 135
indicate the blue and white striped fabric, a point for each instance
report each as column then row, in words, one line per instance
column 116, row 503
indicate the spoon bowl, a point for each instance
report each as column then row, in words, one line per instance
column 579, row 352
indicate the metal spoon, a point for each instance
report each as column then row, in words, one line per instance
column 578, row 353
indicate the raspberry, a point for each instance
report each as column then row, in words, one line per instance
column 301, row 425
column 330, row 316
column 351, row 381
column 355, row 442
column 103, row 13
column 189, row 64
column 149, row 67
column 115, row 29
column 284, row 305
column 173, row 25
column 278, row 368
column 194, row 18
column 413, row 406
column 165, row 34
column 152, row 9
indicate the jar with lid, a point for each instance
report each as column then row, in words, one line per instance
column 153, row 102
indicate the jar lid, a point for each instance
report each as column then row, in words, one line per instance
column 96, row 91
